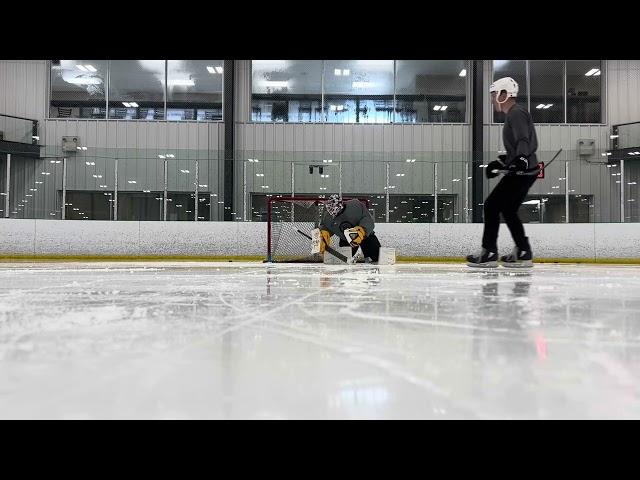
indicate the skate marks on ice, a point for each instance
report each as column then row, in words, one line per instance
column 205, row 340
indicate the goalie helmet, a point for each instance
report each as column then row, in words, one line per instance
column 507, row 84
column 333, row 205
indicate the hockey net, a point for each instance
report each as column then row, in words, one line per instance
column 287, row 215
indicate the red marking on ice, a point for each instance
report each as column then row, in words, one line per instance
column 541, row 347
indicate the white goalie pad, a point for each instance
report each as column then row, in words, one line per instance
column 387, row 256
column 315, row 240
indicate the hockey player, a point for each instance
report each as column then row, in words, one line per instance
column 351, row 215
column 520, row 140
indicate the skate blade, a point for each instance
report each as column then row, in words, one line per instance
column 483, row 265
column 522, row 264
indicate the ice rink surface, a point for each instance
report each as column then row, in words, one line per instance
column 191, row 340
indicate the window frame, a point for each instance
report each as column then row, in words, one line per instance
column 467, row 113
column 106, row 101
column 603, row 99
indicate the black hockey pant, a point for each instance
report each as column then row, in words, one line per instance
column 506, row 199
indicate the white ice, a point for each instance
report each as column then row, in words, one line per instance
column 258, row 341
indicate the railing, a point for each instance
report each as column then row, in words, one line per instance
column 18, row 129
column 188, row 185
column 625, row 135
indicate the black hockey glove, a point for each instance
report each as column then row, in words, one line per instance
column 495, row 165
column 519, row 164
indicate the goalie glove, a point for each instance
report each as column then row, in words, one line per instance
column 355, row 235
column 325, row 240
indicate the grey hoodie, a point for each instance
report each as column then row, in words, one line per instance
column 353, row 214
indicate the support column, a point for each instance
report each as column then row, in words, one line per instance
column 435, row 193
column 229, row 139
column 566, row 191
column 477, row 147
column 622, row 201
column 64, row 188
column 8, row 187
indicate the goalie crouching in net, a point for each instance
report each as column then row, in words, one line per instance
column 351, row 216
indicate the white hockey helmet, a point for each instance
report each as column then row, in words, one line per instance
column 507, row 84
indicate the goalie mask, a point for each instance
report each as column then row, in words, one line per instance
column 333, row 205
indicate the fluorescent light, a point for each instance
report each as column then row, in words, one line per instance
column 90, row 163
column 437, row 107
column 346, row 72
column 146, row 191
column 170, row 155
column 91, row 68
column 219, row 69
column 84, row 81
column 463, row 73
column 134, row 104
column 277, row 84
column 82, row 67
column 592, row 72
column 84, row 148
column 337, row 72
column 614, row 136
column 187, row 82
column 184, row 171
column 259, row 174
column 597, row 73
column 97, row 176
column 548, row 105
column 444, row 107
column 35, row 137
column 131, row 181
column 103, row 186
column 265, row 186
column 203, row 186
column 126, row 104
column 532, row 202
column 161, row 156
column 361, row 84
column 540, row 106
column 211, row 70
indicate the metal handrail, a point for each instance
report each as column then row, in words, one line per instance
column 19, row 118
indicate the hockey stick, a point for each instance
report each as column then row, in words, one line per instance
column 531, row 171
column 328, row 248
